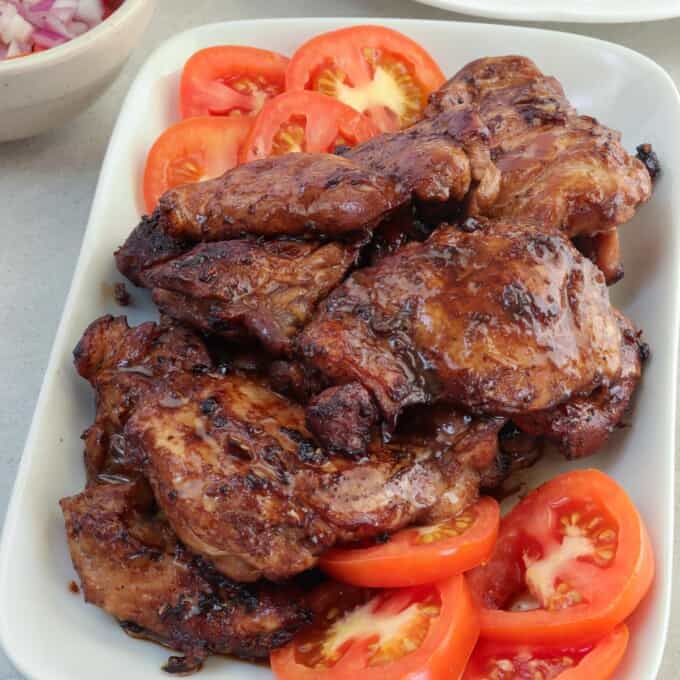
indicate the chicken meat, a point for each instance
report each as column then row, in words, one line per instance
column 131, row 564
column 558, row 168
column 246, row 288
column 123, row 364
column 244, row 484
column 498, row 317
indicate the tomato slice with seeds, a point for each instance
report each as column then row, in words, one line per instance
column 572, row 561
column 421, row 554
column 507, row 661
column 305, row 121
column 405, row 634
column 230, row 80
column 376, row 70
column 193, row 150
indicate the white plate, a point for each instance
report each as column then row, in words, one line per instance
column 574, row 11
column 47, row 631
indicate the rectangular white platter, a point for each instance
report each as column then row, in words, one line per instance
column 49, row 633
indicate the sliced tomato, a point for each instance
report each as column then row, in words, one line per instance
column 406, row 634
column 508, row 661
column 421, row 555
column 572, row 561
column 305, row 121
column 190, row 151
column 374, row 69
column 230, row 80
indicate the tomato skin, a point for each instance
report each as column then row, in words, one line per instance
column 400, row 563
column 344, row 49
column 599, row 663
column 192, row 150
column 204, row 92
column 326, row 119
column 624, row 583
column 443, row 654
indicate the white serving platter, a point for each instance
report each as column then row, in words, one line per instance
column 574, row 11
column 48, row 632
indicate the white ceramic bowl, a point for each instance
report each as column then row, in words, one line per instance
column 44, row 90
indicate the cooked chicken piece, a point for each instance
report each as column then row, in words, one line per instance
column 435, row 161
column 604, row 250
column 314, row 195
column 343, row 416
column 263, row 289
column 122, row 364
column 298, row 194
column 557, row 168
column 583, row 424
column 295, row 379
column 517, row 451
column 147, row 246
column 497, row 317
column 131, row 565
column 401, row 228
column 242, row 482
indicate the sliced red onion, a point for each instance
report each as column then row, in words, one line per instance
column 39, row 5
column 44, row 23
column 46, row 38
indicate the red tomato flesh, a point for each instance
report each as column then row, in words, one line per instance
column 305, row 121
column 421, row 555
column 230, row 80
column 578, row 547
column 506, row 661
column 374, row 69
column 193, row 150
column 406, row 634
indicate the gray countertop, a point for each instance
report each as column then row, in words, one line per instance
column 47, row 184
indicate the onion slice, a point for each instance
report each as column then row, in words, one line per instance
column 29, row 24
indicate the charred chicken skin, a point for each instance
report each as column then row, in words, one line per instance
column 582, row 425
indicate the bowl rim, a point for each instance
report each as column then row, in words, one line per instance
column 76, row 46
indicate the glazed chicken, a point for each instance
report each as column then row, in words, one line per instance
column 244, row 484
column 123, row 364
column 147, row 246
column 582, row 425
column 263, row 289
column 557, row 168
column 131, row 565
column 317, row 195
column 497, row 317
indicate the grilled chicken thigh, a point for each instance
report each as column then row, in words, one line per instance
column 131, row 565
column 299, row 194
column 243, row 482
column 321, row 195
column 497, row 317
column 263, row 289
column 583, row 424
column 557, row 168
column 122, row 364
